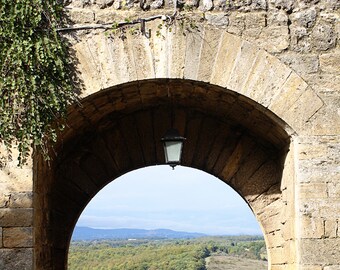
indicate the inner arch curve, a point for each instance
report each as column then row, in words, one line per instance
column 118, row 130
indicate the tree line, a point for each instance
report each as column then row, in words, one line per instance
column 159, row 254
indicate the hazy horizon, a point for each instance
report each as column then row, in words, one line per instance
column 98, row 228
column 183, row 199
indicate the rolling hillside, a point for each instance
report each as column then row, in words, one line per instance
column 86, row 233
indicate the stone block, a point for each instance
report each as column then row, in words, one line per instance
column 145, row 62
column 274, row 239
column 255, row 20
column 104, row 3
column 88, row 68
column 333, row 189
column 18, row 237
column 324, row 83
column 330, row 63
column 312, row 151
column 241, row 70
column 332, row 267
column 323, row 36
column 268, row 84
column 16, row 217
column 291, row 253
column 279, row 267
column 274, row 39
column 328, row 208
column 291, row 90
column 115, row 61
column 310, row 267
column 305, row 107
column 192, row 54
column 305, row 18
column 4, row 199
column 320, row 251
column 80, row 15
column 21, row 200
column 277, row 17
column 301, row 63
column 15, row 179
column 16, row 259
column 288, row 177
column 270, row 224
column 219, row 19
column 300, row 42
column 206, row 5
column 227, row 53
column 331, row 228
column 311, row 227
column 236, row 23
column 288, row 229
column 313, row 190
column 155, row 55
column 286, row 5
column 279, row 255
column 1, row 244
column 177, row 53
column 208, row 53
column 326, row 121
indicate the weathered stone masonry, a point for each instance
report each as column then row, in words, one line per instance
column 262, row 77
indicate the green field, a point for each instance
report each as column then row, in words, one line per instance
column 211, row 253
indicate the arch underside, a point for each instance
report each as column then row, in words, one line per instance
column 119, row 129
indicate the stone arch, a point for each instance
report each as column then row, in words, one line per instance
column 125, row 108
column 209, row 55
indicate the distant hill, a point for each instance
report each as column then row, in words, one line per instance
column 86, row 233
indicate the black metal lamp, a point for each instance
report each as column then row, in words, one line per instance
column 173, row 145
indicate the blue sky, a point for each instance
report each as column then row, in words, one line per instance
column 183, row 199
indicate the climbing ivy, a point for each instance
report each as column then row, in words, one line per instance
column 35, row 74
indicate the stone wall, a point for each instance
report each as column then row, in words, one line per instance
column 302, row 34
column 16, row 216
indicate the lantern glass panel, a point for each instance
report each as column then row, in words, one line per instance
column 173, row 151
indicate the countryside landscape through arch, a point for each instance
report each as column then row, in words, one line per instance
column 184, row 200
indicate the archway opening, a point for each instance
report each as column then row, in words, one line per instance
column 159, row 208
column 119, row 129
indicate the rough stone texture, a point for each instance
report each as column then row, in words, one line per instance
column 16, row 259
column 308, row 63
column 312, row 227
column 331, row 228
column 330, row 63
column 333, row 267
column 207, row 5
column 1, row 244
column 323, row 37
column 311, row 267
column 16, row 217
column 21, row 200
column 283, row 54
column 17, row 237
column 326, row 250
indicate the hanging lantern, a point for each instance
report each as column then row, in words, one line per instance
column 173, row 144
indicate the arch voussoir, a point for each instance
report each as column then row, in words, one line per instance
column 208, row 55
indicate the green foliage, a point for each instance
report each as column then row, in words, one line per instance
column 160, row 254
column 35, row 80
column 148, row 256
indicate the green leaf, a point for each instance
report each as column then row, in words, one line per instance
column 35, row 74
